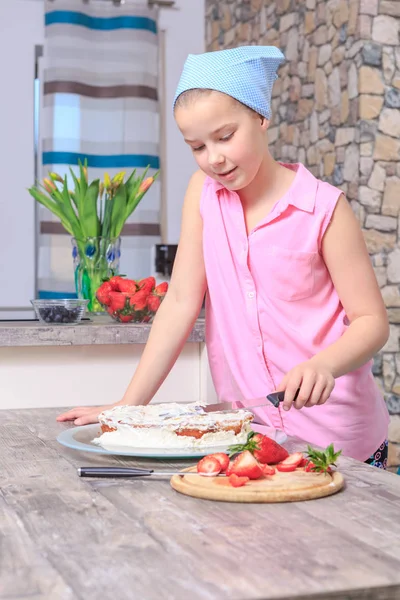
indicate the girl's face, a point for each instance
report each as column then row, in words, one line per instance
column 228, row 140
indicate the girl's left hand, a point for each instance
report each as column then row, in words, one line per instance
column 315, row 383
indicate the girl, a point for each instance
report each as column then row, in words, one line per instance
column 292, row 300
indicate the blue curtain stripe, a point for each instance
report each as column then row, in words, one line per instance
column 70, row 17
column 102, row 162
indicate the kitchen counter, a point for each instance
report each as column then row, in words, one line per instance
column 98, row 330
column 90, row 363
column 83, row 539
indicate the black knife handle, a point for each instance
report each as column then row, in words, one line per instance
column 277, row 397
column 112, row 472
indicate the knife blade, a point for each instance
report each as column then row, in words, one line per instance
column 275, row 398
column 129, row 472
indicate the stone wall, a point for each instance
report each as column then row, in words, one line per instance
column 336, row 109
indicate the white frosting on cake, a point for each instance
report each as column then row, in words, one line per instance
column 155, row 426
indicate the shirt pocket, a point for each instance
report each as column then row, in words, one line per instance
column 291, row 274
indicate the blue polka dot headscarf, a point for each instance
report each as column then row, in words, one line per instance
column 246, row 73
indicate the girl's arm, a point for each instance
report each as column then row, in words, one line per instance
column 346, row 257
column 175, row 317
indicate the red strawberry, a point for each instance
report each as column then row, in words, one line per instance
column 103, row 293
column 229, row 468
column 223, row 460
column 139, row 300
column 304, row 462
column 285, row 468
column 153, row 303
column 161, row 289
column 148, row 284
column 267, row 470
column 269, row 451
column 125, row 318
column 208, row 466
column 117, row 301
column 237, row 481
column 128, row 286
column 291, row 462
column 114, row 282
column 245, row 465
column 264, row 449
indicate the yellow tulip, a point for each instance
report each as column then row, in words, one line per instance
column 49, row 185
column 118, row 178
column 107, row 181
column 144, row 186
column 56, row 177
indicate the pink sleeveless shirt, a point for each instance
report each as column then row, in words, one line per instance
column 271, row 305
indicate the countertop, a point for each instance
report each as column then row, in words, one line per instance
column 97, row 330
column 70, row 538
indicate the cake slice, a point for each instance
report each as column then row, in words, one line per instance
column 172, row 426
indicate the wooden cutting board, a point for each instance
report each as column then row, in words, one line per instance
column 281, row 487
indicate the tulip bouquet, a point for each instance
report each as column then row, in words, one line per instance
column 94, row 214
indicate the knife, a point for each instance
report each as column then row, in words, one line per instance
column 275, row 398
column 129, row 472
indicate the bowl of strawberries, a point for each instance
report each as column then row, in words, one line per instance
column 130, row 300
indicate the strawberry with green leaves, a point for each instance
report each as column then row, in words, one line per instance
column 321, row 461
column 264, row 449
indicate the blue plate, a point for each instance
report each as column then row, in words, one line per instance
column 80, row 438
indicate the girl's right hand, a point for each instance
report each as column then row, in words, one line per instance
column 83, row 415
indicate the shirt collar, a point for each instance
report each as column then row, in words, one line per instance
column 301, row 193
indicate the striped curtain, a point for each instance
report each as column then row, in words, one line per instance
column 100, row 102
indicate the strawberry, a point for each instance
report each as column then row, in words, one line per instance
column 103, row 293
column 125, row 318
column 267, row 470
column 310, row 466
column 153, row 302
column 128, row 286
column 223, row 460
column 285, row 468
column 148, row 284
column 161, row 289
column 229, row 468
column 291, row 462
column 208, row 466
column 264, row 449
column 139, row 300
column 303, row 463
column 117, row 300
column 115, row 282
column 245, row 465
column 237, row 481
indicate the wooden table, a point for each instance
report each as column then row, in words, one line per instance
column 62, row 537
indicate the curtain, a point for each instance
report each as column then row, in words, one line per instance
column 99, row 101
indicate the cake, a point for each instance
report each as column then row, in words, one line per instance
column 172, row 426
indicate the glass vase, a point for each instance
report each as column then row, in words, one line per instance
column 95, row 260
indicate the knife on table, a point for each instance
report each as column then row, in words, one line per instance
column 275, row 398
column 129, row 472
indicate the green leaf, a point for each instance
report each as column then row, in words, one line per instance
column 106, row 226
column 69, row 211
column 90, row 223
column 52, row 206
column 78, row 198
column 118, row 211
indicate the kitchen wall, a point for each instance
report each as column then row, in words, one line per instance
column 336, row 109
column 21, row 28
